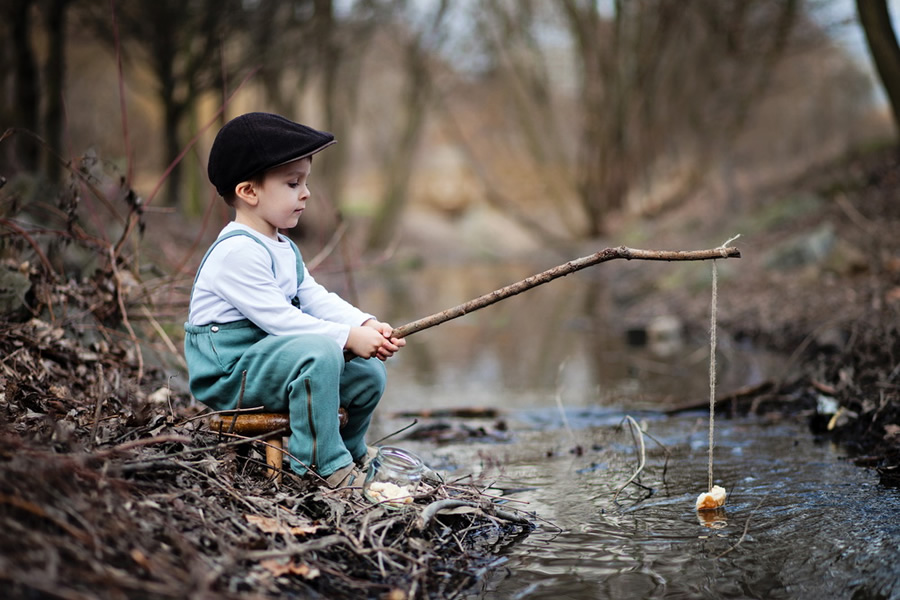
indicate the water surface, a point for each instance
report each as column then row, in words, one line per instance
column 801, row 521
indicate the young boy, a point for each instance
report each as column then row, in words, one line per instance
column 260, row 328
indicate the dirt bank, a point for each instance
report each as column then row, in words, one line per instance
column 112, row 484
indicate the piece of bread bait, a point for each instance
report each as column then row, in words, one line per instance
column 712, row 499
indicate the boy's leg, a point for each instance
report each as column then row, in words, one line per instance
column 362, row 385
column 299, row 375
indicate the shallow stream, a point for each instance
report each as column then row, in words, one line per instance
column 801, row 521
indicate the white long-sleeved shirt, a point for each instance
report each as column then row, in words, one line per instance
column 236, row 282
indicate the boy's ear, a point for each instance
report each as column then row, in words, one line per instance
column 246, row 191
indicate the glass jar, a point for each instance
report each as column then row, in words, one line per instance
column 393, row 477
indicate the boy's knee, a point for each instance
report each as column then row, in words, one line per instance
column 372, row 371
column 375, row 377
column 379, row 377
column 320, row 350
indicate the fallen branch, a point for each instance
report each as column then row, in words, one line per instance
column 561, row 271
column 432, row 510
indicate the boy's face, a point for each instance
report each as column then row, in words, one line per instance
column 283, row 194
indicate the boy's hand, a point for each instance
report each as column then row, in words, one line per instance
column 373, row 339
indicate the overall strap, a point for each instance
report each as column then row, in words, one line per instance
column 261, row 243
column 299, row 261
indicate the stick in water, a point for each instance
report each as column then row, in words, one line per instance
column 561, row 271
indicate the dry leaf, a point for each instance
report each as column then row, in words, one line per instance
column 140, row 558
column 304, row 529
column 278, row 568
column 270, row 525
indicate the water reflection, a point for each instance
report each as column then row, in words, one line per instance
column 713, row 519
column 565, row 338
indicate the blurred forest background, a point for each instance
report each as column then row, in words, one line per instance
column 464, row 127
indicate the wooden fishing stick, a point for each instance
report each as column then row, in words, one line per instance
column 557, row 272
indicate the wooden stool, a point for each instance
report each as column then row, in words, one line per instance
column 273, row 424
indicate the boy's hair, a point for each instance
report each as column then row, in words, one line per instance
column 257, row 181
column 251, row 144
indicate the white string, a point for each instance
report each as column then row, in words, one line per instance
column 712, row 370
column 712, row 360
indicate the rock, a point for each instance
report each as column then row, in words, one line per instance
column 800, row 251
column 821, row 248
column 664, row 335
column 13, row 288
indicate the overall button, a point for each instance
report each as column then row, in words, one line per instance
column 214, row 328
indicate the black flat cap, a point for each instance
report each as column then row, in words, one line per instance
column 255, row 142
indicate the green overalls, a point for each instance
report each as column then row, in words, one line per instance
column 303, row 375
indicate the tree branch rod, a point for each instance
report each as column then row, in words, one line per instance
column 557, row 272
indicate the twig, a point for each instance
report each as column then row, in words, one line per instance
column 160, row 439
column 120, row 301
column 317, row 544
column 434, row 508
column 642, row 461
column 559, row 403
column 34, row 245
column 97, row 407
column 746, row 529
column 399, row 431
column 227, row 411
column 227, row 489
column 27, row 505
column 483, row 494
column 163, row 335
column 132, row 465
column 561, row 271
column 665, row 450
column 169, row 396
column 329, row 247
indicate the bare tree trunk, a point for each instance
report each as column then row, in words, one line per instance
column 341, row 49
column 604, row 177
column 55, row 71
column 400, row 163
column 172, row 113
column 26, row 82
column 876, row 23
column 334, row 99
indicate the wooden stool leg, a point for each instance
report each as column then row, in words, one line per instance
column 274, row 457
